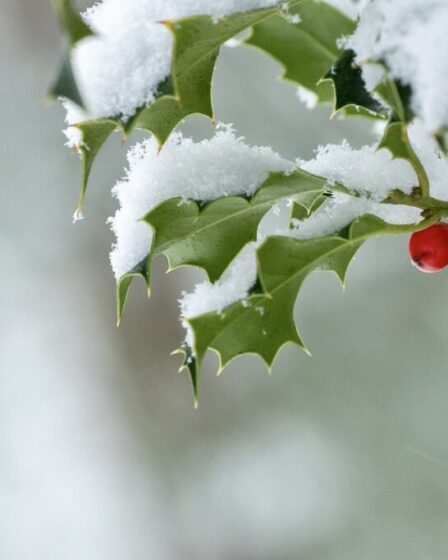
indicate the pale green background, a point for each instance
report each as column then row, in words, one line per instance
column 102, row 457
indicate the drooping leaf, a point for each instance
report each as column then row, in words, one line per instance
column 211, row 235
column 306, row 49
column 264, row 322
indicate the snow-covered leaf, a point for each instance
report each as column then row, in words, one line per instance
column 211, row 235
column 264, row 322
column 197, row 41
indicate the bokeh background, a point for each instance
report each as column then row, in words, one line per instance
column 340, row 457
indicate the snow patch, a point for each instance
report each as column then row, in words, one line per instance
column 202, row 171
column 121, row 68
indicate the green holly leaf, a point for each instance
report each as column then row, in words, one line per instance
column 93, row 135
column 350, row 89
column 396, row 137
column 264, row 322
column 197, row 41
column 210, row 235
column 141, row 270
column 306, row 49
column 303, row 209
column 398, row 97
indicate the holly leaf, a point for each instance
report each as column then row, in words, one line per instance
column 209, row 236
column 197, row 41
column 264, row 322
column 93, row 135
column 306, row 49
column 303, row 209
column 398, row 97
column 350, row 89
column 141, row 270
column 396, row 138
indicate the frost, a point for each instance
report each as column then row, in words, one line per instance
column 411, row 37
column 203, row 171
column 121, row 68
column 367, row 170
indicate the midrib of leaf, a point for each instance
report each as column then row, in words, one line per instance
column 240, row 213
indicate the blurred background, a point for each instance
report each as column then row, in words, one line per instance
column 343, row 456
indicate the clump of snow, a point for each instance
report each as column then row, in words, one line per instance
column 373, row 75
column 411, row 37
column 203, row 171
column 307, row 97
column 367, row 169
column 234, row 285
column 74, row 115
column 120, row 69
column 342, row 209
column 286, row 14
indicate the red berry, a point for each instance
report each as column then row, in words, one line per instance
column 429, row 248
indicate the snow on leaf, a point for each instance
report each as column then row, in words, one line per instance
column 197, row 41
column 284, row 264
column 211, row 235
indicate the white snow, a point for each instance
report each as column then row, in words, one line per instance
column 434, row 162
column 367, row 169
column 234, row 285
column 411, row 37
column 120, row 69
column 203, row 171
column 307, row 97
column 74, row 115
column 225, row 165
column 342, row 209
